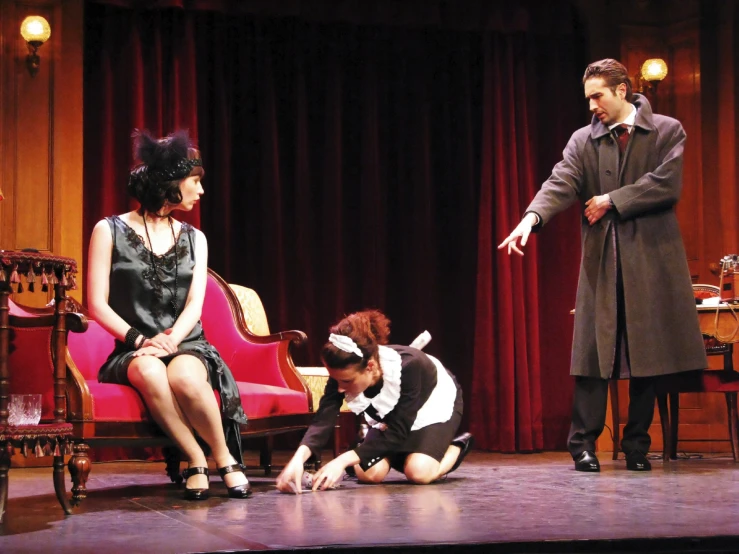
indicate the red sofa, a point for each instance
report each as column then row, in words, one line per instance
column 275, row 397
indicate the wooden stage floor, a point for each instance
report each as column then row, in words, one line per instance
column 493, row 503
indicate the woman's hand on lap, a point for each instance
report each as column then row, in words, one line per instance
column 150, row 351
column 164, row 341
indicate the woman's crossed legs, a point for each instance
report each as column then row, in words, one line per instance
column 180, row 399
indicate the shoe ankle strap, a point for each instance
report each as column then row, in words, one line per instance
column 190, row 471
column 225, row 470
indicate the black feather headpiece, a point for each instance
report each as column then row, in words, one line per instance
column 165, row 159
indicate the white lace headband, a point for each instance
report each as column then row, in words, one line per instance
column 342, row 342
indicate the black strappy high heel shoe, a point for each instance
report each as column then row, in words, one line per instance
column 239, row 491
column 195, row 494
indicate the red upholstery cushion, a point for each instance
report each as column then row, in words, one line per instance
column 116, row 402
column 265, row 400
column 31, row 348
column 122, row 403
column 720, row 381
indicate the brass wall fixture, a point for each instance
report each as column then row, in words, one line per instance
column 651, row 74
column 36, row 31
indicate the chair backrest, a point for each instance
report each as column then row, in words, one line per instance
column 90, row 349
column 251, row 305
column 30, row 364
column 220, row 318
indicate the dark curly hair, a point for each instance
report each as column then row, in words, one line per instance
column 368, row 329
column 163, row 163
column 613, row 74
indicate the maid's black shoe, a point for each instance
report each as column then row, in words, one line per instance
column 464, row 442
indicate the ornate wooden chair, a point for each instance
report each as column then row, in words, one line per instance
column 30, row 345
column 724, row 381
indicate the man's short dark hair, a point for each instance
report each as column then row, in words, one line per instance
column 613, row 74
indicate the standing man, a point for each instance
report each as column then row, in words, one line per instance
column 634, row 313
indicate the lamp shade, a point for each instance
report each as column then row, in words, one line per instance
column 654, row 69
column 35, row 29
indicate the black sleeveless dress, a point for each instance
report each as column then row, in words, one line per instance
column 142, row 294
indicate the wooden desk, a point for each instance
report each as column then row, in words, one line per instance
column 724, row 329
column 705, row 418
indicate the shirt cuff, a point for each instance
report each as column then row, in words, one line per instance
column 536, row 215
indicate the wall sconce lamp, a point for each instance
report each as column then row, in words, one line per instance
column 35, row 30
column 651, row 73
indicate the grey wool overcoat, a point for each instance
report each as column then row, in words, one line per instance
column 642, row 230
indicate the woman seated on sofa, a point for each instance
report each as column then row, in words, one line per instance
column 412, row 403
column 146, row 284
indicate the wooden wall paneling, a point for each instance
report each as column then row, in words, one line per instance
column 679, row 45
column 702, row 416
column 67, row 137
column 33, row 194
column 41, row 136
column 713, row 225
column 7, row 113
column 684, row 95
column 726, row 141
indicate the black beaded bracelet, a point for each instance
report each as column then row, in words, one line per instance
column 132, row 336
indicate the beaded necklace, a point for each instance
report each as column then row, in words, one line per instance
column 157, row 267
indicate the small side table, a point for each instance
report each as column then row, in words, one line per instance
column 54, row 438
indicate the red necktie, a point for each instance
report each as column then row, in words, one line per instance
column 622, row 136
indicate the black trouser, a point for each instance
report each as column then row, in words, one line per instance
column 591, row 393
column 589, row 414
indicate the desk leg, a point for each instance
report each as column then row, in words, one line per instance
column 664, row 416
column 615, row 417
column 731, row 407
column 674, row 422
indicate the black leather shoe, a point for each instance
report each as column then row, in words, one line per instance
column 239, row 491
column 636, row 461
column 464, row 442
column 195, row 494
column 587, row 461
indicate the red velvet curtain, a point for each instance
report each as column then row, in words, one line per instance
column 353, row 164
